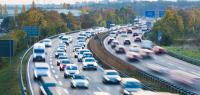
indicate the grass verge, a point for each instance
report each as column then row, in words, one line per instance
column 190, row 53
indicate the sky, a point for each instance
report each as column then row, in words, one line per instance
column 53, row 1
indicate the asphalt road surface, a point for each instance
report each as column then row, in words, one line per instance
column 95, row 77
column 163, row 61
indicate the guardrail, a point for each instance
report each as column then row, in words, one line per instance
column 184, row 58
column 101, row 56
column 23, row 88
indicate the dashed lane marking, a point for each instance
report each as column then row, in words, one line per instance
column 56, row 76
column 53, row 71
column 99, row 89
column 60, row 83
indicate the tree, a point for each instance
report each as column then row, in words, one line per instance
column 33, row 6
column 4, row 11
column 23, row 9
column 16, row 11
column 1, row 11
column 66, row 6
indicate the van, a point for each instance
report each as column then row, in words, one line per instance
column 39, row 52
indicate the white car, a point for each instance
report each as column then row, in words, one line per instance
column 129, row 85
column 70, row 70
column 89, row 63
column 59, row 52
column 111, row 76
column 80, row 54
column 47, row 42
column 41, row 69
column 79, row 81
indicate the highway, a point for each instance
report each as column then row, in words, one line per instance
column 95, row 77
column 170, row 64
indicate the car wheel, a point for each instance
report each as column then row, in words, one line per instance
column 72, row 86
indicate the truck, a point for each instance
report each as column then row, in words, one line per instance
column 39, row 52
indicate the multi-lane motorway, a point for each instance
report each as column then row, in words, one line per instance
column 95, row 77
column 170, row 64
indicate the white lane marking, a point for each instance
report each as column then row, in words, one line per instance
column 60, row 83
column 101, row 68
column 50, row 62
column 99, row 89
column 53, row 71
column 51, row 66
column 66, row 91
column 56, row 76
column 181, row 68
column 50, row 59
column 29, row 80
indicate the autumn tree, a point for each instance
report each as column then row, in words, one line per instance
column 4, row 11
column 23, row 9
column 33, row 5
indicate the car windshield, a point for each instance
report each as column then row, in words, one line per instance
column 90, row 60
column 131, row 84
column 79, row 77
column 62, row 57
column 39, row 50
column 87, row 55
column 46, row 40
column 42, row 68
column 72, row 68
column 60, row 50
column 82, row 51
column 65, row 61
column 111, row 73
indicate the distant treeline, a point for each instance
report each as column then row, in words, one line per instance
column 142, row 6
column 182, row 26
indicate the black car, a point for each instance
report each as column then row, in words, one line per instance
column 137, row 40
column 110, row 40
column 135, row 34
column 127, row 42
column 129, row 32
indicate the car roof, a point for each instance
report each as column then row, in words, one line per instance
column 110, row 71
column 129, row 79
column 41, row 64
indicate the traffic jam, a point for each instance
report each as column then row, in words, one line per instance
column 72, row 72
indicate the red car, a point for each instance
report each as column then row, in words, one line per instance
column 159, row 50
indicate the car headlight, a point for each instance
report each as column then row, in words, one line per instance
column 66, row 72
column 118, row 78
column 126, row 92
column 107, row 78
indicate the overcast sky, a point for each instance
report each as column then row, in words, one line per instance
column 52, row 1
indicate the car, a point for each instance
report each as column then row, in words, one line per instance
column 111, row 76
column 134, row 48
column 129, row 31
column 120, row 49
column 88, row 34
column 110, row 40
column 137, row 39
column 129, row 85
column 47, row 42
column 41, row 69
column 89, row 63
column 132, row 56
column 101, row 93
column 80, row 54
column 39, row 52
column 77, row 47
column 146, row 53
column 60, row 59
column 61, row 35
column 82, row 43
column 113, row 34
column 87, row 54
column 127, row 42
column 79, row 81
column 83, row 38
column 65, row 39
column 64, row 63
column 159, row 50
column 62, row 46
column 70, row 70
column 59, row 52
column 114, row 43
column 147, row 44
column 135, row 34
column 123, row 34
